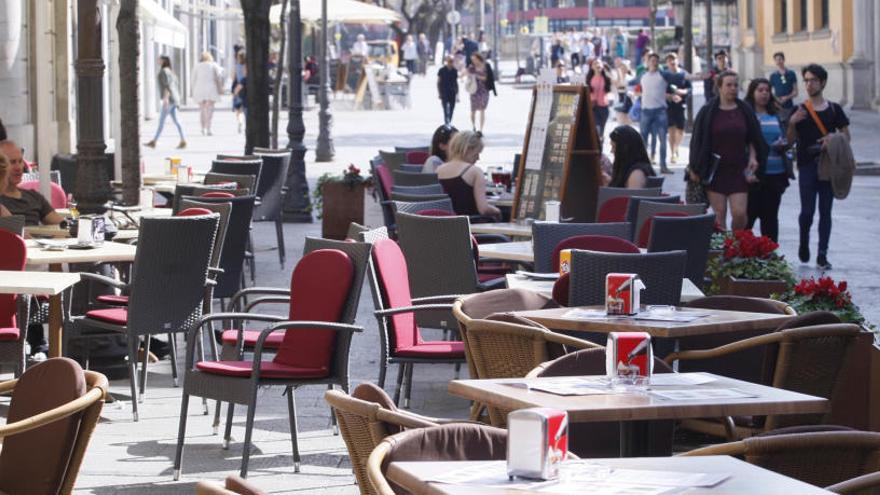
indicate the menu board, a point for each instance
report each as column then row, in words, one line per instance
column 560, row 134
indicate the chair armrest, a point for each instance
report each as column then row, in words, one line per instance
column 857, row 484
column 93, row 277
column 436, row 299
column 741, row 345
column 569, row 341
column 52, row 415
column 267, row 300
column 410, row 309
column 299, row 325
column 267, row 291
column 405, row 419
column 190, row 338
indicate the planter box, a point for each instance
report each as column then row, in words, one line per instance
column 342, row 205
column 751, row 288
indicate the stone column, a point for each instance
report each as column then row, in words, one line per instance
column 863, row 85
column 92, row 188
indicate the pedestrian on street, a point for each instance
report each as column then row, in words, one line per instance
column 653, row 121
column 439, row 148
column 237, row 103
column 410, row 54
column 447, row 88
column 765, row 195
column 727, row 147
column 360, row 48
column 709, row 76
column 600, row 87
column 642, row 41
column 484, row 80
column 810, row 125
column 169, row 89
column 557, row 51
column 631, row 167
column 620, row 43
column 620, row 76
column 207, row 88
column 784, row 83
column 424, row 53
column 679, row 90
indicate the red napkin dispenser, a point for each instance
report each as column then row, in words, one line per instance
column 622, row 291
column 629, row 354
column 537, row 442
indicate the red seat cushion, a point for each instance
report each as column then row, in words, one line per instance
column 116, row 316
column 218, row 194
column 319, row 288
column 9, row 334
column 273, row 341
column 613, row 210
column 394, row 281
column 268, row 369
column 194, row 212
column 560, row 289
column 602, row 243
column 13, row 258
column 434, row 349
column 113, row 299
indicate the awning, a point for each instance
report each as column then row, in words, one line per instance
column 166, row 29
column 350, row 11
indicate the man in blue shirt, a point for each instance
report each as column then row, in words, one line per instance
column 784, row 83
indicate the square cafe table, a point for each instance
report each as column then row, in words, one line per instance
column 633, row 410
column 744, row 477
column 689, row 291
column 36, row 256
column 504, row 228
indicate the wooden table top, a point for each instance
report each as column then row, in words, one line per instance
column 689, row 291
column 643, row 405
column 744, row 477
column 109, row 251
column 510, row 251
column 717, row 321
column 36, row 283
column 504, row 228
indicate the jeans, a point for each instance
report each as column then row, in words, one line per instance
column 764, row 199
column 654, row 122
column 810, row 186
column 448, row 108
column 411, row 66
column 166, row 111
column 600, row 115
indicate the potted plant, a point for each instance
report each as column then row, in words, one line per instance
column 749, row 266
column 338, row 200
column 825, row 294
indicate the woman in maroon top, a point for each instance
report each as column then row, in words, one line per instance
column 729, row 135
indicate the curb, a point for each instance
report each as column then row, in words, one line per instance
column 867, row 168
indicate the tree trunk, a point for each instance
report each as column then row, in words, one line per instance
column 279, row 72
column 129, row 57
column 256, row 29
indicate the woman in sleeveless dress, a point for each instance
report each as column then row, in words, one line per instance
column 463, row 181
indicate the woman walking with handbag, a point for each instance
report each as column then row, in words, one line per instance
column 169, row 89
column 207, row 88
column 481, row 80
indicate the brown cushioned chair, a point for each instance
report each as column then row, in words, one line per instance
column 457, row 442
column 602, row 439
column 365, row 418
column 233, row 486
column 820, row 458
column 55, row 407
column 806, row 360
column 482, row 305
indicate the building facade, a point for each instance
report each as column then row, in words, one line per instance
column 838, row 34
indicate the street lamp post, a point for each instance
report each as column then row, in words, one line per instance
column 296, row 202
column 324, row 150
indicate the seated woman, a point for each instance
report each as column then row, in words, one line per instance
column 461, row 180
column 439, row 147
column 631, row 167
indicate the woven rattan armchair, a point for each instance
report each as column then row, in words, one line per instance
column 365, row 418
column 821, row 458
column 859, row 484
column 632, row 207
column 413, row 198
column 650, row 209
column 14, row 308
column 272, row 193
column 248, row 182
column 416, row 190
column 415, row 207
column 508, row 350
column 244, row 165
column 547, row 235
column 402, row 178
column 807, row 360
column 392, row 159
column 691, row 234
column 607, row 193
column 55, row 407
column 661, row 273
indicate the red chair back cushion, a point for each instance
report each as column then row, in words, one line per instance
column 603, row 243
column 645, row 231
column 218, row 194
column 319, row 288
column 560, row 289
column 393, row 277
column 613, row 210
column 385, row 179
column 194, row 212
column 417, row 157
column 58, row 198
column 13, row 258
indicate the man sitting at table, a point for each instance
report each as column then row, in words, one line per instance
column 35, row 208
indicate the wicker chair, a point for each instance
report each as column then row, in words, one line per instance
column 632, row 208
column 806, row 360
column 365, row 418
column 598, row 243
column 384, row 183
column 649, row 210
column 245, row 165
column 233, row 485
column 661, row 273
column 272, row 191
column 396, row 196
column 691, row 234
column 392, row 159
column 602, row 439
column 415, row 207
column 14, row 308
column 418, row 157
column 547, row 235
column 314, row 350
column 54, row 410
column 606, row 193
column 248, row 182
column 402, row 178
column 500, row 349
column 456, row 442
column 418, row 190
column 859, row 484
column 15, row 224
column 820, row 458
column 372, row 236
